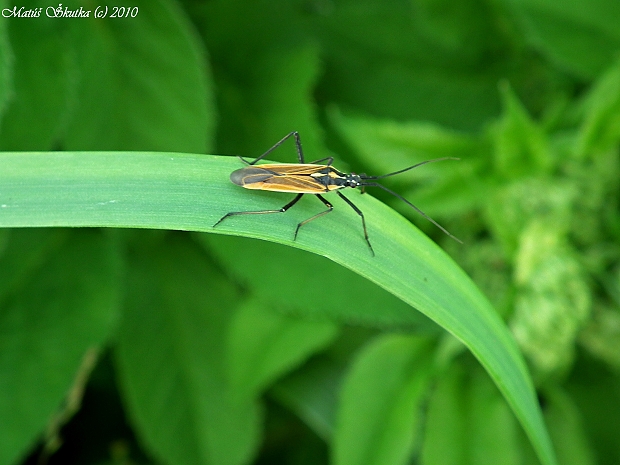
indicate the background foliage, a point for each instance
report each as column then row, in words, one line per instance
column 526, row 93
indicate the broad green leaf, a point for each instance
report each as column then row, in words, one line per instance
column 266, row 89
column 43, row 72
column 144, row 83
column 172, row 359
column 492, row 430
column 380, row 402
column 429, row 60
column 566, row 429
column 263, row 344
column 22, row 252
column 468, row 422
column 192, row 192
column 596, row 393
column 310, row 284
column 312, row 394
column 444, row 438
column 63, row 303
column 601, row 125
column 581, row 36
column 6, row 65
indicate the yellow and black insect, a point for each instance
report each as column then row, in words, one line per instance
column 312, row 178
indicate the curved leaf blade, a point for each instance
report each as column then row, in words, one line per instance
column 191, row 192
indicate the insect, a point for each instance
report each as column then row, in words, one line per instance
column 313, row 178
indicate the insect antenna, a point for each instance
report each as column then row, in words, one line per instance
column 363, row 176
column 364, row 182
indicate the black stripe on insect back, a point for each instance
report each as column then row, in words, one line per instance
column 314, row 179
column 330, row 176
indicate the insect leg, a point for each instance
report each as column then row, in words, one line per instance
column 329, row 161
column 359, row 212
column 300, row 154
column 329, row 206
column 260, row 212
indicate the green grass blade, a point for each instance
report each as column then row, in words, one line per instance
column 191, row 192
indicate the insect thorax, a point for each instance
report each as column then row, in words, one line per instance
column 353, row 180
column 333, row 179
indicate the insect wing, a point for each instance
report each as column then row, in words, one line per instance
column 287, row 169
column 280, row 178
column 294, row 184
